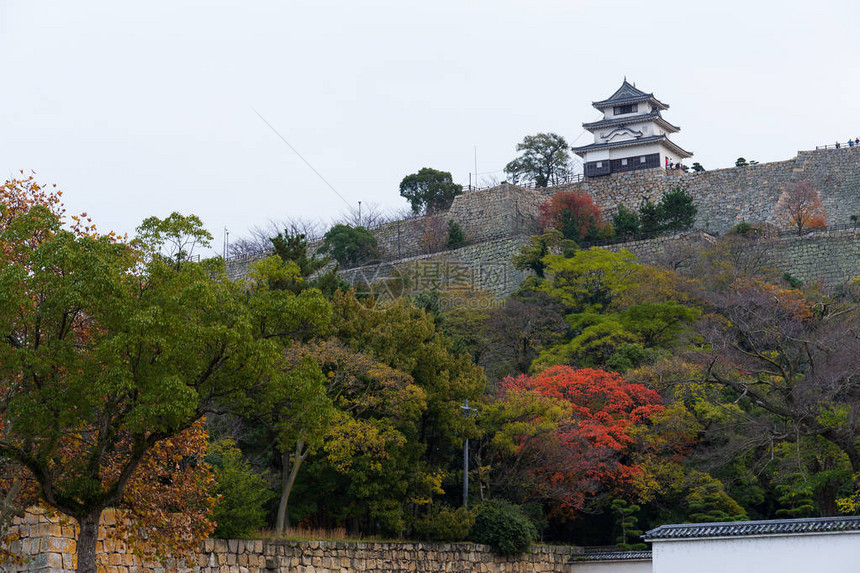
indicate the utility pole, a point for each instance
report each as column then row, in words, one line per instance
column 359, row 213
column 467, row 411
column 226, row 241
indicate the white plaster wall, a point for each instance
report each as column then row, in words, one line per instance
column 830, row 553
column 598, row 155
column 633, row 151
column 637, row 566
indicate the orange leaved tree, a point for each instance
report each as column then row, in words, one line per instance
column 575, row 214
column 580, row 449
column 800, row 207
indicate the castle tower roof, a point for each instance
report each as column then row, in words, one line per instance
column 632, row 135
column 628, row 94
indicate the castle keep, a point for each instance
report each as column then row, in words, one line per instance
column 631, row 136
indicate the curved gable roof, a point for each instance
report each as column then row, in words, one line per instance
column 628, row 94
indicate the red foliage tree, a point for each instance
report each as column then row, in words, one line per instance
column 800, row 207
column 574, row 213
column 587, row 453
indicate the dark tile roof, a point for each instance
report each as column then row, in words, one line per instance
column 748, row 528
column 654, row 115
column 613, row 556
column 628, row 94
column 633, row 142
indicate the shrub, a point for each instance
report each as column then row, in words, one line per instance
column 349, row 246
column 742, row 228
column 456, row 237
column 650, row 217
column 625, row 221
column 445, row 524
column 677, row 210
column 241, row 509
column 504, row 527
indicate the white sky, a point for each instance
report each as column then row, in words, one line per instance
column 139, row 109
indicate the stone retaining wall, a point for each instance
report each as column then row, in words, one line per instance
column 497, row 221
column 48, row 544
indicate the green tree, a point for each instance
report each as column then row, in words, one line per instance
column 531, row 255
column 625, row 514
column 741, row 162
column 429, row 191
column 677, row 210
column 544, row 158
column 350, row 246
column 173, row 238
column 294, row 248
column 102, row 341
column 241, row 508
column 697, row 167
column 456, row 237
column 625, row 221
column 650, row 217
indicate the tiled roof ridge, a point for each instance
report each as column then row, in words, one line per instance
column 613, row 556
column 655, row 115
column 628, row 93
column 762, row 527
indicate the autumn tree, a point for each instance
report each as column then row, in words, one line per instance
column 544, row 158
column 110, row 350
column 790, row 360
column 583, row 455
column 575, row 214
column 399, row 422
column 800, row 207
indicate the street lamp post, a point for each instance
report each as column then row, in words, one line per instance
column 467, row 411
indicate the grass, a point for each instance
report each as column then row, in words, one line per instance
column 312, row 534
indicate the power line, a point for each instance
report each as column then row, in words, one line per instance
column 296, row 151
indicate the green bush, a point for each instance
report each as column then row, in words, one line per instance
column 445, row 524
column 625, row 221
column 350, row 246
column 241, row 510
column 504, row 527
column 456, row 237
column 678, row 210
column 742, row 228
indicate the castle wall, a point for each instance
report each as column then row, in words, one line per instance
column 725, row 197
column 48, row 545
column 497, row 221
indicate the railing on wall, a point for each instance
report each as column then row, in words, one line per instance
column 839, row 145
column 559, row 182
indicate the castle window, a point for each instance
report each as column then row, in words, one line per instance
column 599, row 164
column 642, row 159
column 623, row 162
column 622, row 109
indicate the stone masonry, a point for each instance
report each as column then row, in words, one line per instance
column 499, row 220
column 48, row 545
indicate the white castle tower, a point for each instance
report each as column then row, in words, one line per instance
column 632, row 135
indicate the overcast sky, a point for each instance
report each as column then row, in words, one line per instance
column 139, row 109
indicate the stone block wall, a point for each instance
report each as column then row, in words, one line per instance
column 482, row 266
column 726, row 197
column 497, row 221
column 48, row 544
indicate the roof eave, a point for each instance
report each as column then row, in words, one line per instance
column 601, row 105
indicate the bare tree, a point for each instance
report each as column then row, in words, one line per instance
column 800, row 206
column 367, row 215
column 259, row 238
